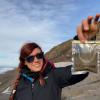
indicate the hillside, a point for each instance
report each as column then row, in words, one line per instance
column 61, row 52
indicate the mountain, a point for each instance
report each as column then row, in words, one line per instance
column 61, row 52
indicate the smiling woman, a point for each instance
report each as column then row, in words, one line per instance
column 38, row 78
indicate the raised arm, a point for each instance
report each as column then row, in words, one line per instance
column 64, row 77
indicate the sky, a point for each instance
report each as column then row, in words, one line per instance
column 46, row 22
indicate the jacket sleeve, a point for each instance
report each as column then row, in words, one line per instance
column 64, row 77
column 77, row 78
column 76, row 38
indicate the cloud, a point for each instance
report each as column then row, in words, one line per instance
column 42, row 21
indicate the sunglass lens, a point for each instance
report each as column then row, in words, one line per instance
column 30, row 59
column 40, row 55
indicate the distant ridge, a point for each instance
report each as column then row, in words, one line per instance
column 61, row 52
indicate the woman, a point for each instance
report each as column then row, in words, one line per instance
column 38, row 78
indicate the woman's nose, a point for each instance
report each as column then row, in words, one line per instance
column 36, row 59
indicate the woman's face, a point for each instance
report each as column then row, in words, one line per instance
column 37, row 63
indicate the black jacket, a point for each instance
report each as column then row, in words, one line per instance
column 55, row 79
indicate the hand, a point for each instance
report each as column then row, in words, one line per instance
column 88, row 28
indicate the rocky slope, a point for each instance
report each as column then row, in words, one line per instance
column 61, row 52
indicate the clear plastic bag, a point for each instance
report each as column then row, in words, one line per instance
column 86, row 56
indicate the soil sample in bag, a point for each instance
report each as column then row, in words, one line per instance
column 86, row 56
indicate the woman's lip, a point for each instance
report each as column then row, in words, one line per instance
column 37, row 65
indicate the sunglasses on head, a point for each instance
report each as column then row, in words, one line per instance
column 31, row 58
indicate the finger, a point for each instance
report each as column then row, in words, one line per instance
column 96, row 18
column 80, row 34
column 85, row 25
column 90, row 18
